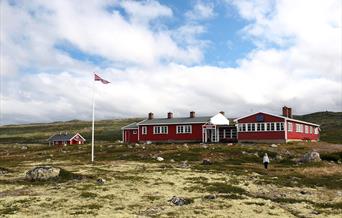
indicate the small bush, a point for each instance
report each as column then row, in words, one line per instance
column 337, row 156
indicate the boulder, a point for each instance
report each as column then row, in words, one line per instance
column 179, row 201
column 274, row 146
column 206, row 162
column 42, row 173
column 160, row 159
column 312, row 156
column 24, row 147
column 100, row 181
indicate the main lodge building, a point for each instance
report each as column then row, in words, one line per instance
column 257, row 127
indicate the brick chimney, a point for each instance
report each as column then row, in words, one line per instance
column 169, row 115
column 287, row 112
column 150, row 116
column 222, row 112
column 192, row 114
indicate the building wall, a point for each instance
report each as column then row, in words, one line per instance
column 261, row 136
column 130, row 135
column 196, row 134
column 76, row 142
column 293, row 135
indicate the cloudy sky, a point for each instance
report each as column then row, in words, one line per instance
column 239, row 56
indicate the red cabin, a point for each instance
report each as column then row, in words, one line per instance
column 64, row 139
column 265, row 127
column 182, row 129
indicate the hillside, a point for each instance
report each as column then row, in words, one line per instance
column 331, row 124
column 109, row 130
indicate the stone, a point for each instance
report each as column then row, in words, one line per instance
column 24, row 147
column 148, row 142
column 230, row 144
column 184, row 164
column 210, row 197
column 274, row 146
column 206, row 162
column 160, row 159
column 42, row 173
column 179, row 201
column 279, row 157
column 129, row 146
column 204, row 146
column 185, row 145
column 312, row 156
column 3, row 171
column 339, row 162
column 172, row 160
column 256, row 154
column 100, row 181
column 137, row 145
column 303, row 192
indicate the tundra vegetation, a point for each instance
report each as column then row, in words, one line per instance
column 135, row 183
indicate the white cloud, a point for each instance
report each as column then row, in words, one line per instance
column 201, row 11
column 303, row 71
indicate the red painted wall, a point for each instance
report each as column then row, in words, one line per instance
column 129, row 135
column 196, row 134
column 76, row 142
column 261, row 135
column 302, row 135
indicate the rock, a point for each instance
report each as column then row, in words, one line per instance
column 274, row 146
column 184, row 164
column 179, row 201
column 148, row 142
column 256, row 154
column 303, row 192
column 243, row 152
column 172, row 160
column 339, row 162
column 143, row 147
column 339, row 193
column 312, row 156
column 206, row 162
column 230, row 144
column 210, row 197
column 24, row 147
column 42, row 173
column 279, row 157
column 160, row 159
column 100, row 181
column 204, row 146
column 129, row 146
column 137, row 145
column 3, row 171
column 185, row 145
column 48, row 160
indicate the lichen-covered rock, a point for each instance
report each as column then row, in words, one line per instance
column 180, row 201
column 206, row 162
column 312, row 156
column 100, row 181
column 42, row 173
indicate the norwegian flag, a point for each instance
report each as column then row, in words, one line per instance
column 98, row 78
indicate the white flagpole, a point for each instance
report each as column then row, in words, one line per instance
column 93, row 124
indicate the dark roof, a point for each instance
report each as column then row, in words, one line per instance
column 131, row 126
column 179, row 120
column 61, row 137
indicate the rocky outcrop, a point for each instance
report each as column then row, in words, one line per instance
column 312, row 156
column 42, row 173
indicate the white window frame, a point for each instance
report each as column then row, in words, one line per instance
column 289, row 127
column 184, row 129
column 316, row 130
column 144, row 130
column 306, row 129
column 160, row 130
column 311, row 130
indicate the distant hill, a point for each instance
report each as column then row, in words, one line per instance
column 331, row 124
column 109, row 130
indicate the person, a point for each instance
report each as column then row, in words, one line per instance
column 266, row 160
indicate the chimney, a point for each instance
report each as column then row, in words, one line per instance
column 192, row 114
column 222, row 112
column 169, row 115
column 287, row 112
column 150, row 116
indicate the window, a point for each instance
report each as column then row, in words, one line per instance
column 311, row 129
column 299, row 127
column 316, row 130
column 144, row 130
column 160, row 130
column 183, row 129
column 289, row 127
column 244, row 127
column 269, row 126
column 233, row 133
column 260, row 127
column 249, row 127
column 280, row 126
column 306, row 129
column 253, row 126
column 134, row 132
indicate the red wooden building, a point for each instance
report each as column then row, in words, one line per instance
column 66, row 139
column 183, row 129
column 266, row 127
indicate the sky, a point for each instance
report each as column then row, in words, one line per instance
column 237, row 56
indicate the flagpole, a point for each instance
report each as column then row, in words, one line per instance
column 93, row 124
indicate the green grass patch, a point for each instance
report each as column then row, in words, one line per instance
column 88, row 195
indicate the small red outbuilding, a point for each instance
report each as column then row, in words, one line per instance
column 66, row 139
